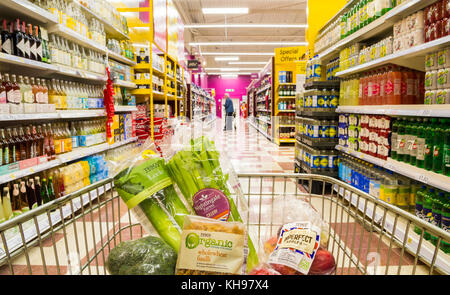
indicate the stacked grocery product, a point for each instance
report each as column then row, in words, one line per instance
column 426, row 202
column 422, row 142
column 70, row 54
column 123, row 48
column 201, row 103
column 368, row 134
column 437, row 79
column 318, row 130
column 24, row 194
column 359, row 53
column 436, row 17
column 390, row 85
column 333, row 66
column 320, row 99
column 314, row 70
column 316, row 161
column 409, row 32
column 143, row 125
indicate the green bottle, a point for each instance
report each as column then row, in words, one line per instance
column 437, row 212
column 44, row 192
column 438, row 146
column 428, row 209
column 420, row 142
column 51, row 190
column 394, row 138
column 446, row 151
column 419, row 207
column 409, row 138
column 401, row 139
column 429, row 138
column 445, row 221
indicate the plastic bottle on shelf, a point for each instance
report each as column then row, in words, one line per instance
column 429, row 144
column 438, row 146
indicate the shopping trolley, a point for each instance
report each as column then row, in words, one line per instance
column 74, row 234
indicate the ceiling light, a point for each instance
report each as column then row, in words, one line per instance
column 220, row 74
column 219, row 26
column 239, row 53
column 247, row 62
column 247, row 43
column 229, row 76
column 225, row 10
column 233, row 69
column 227, row 58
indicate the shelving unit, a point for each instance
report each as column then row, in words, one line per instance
column 412, row 58
column 25, row 10
column 260, row 94
column 201, row 104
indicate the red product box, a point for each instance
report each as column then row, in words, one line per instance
column 373, row 147
column 445, row 8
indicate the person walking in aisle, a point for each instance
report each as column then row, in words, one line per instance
column 229, row 110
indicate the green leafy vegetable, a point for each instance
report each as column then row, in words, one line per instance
column 145, row 256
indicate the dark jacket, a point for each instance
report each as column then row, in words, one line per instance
column 229, row 106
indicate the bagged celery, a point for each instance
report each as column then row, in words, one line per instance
column 206, row 179
column 143, row 183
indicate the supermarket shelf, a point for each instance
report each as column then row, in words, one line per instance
column 285, row 111
column 309, row 170
column 436, row 110
column 125, row 84
column 264, row 89
column 325, row 144
column 73, row 36
column 28, row 63
column 59, row 114
column 404, row 58
column 426, row 249
column 264, row 121
column 144, row 91
column 26, row 117
column 286, row 125
column 169, row 77
column 439, row 181
column 260, row 131
column 288, row 140
column 88, row 151
column 72, row 114
column 64, row 158
column 77, row 73
column 28, row 9
column 316, row 113
column 378, row 26
column 124, row 109
column 158, row 72
column 14, row 240
column 109, row 28
column 286, row 84
column 286, row 97
column 120, row 58
column 330, row 83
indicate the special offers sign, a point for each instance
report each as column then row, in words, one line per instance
column 289, row 54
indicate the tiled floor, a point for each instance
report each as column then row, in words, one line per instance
column 248, row 152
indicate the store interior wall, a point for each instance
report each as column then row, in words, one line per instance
column 221, row 85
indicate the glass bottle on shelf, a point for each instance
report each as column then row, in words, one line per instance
column 12, row 146
column 6, row 200
column 26, row 42
column 29, row 143
column 25, row 146
column 44, row 92
column 6, row 38
column 18, row 40
column 51, row 142
column 20, row 145
column 37, row 190
column 2, row 91
column 24, row 207
column 16, row 90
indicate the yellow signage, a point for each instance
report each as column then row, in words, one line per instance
column 289, row 54
column 213, row 92
column 301, row 67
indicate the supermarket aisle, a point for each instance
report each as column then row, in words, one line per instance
column 251, row 152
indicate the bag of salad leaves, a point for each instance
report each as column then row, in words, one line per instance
column 206, row 178
column 143, row 182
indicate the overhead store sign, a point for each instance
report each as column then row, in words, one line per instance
column 192, row 64
column 229, row 90
column 289, row 54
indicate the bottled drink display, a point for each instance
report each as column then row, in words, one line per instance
column 123, row 48
column 317, row 130
column 316, row 160
column 27, row 193
column 25, row 94
column 437, row 79
column 390, row 85
column 24, row 40
column 320, row 99
column 286, row 90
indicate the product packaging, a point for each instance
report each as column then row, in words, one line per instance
column 144, row 184
column 205, row 177
column 211, row 247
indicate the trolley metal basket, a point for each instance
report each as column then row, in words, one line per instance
column 74, row 234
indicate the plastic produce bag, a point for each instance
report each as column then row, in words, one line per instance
column 143, row 183
column 146, row 256
column 206, row 178
column 212, row 247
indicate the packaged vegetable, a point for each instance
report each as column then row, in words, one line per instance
column 206, row 178
column 211, row 247
column 146, row 256
column 145, row 186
